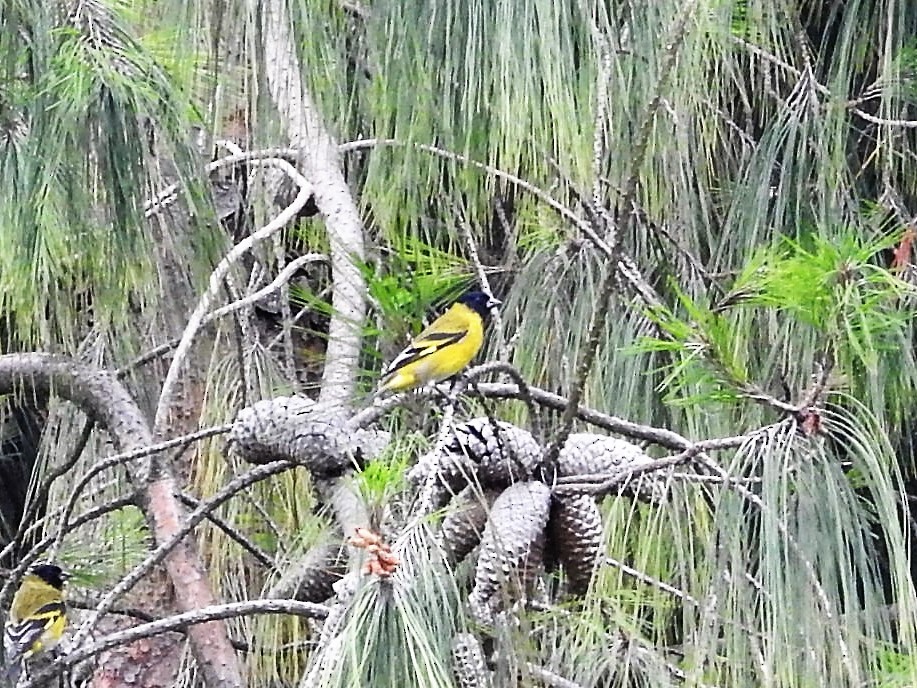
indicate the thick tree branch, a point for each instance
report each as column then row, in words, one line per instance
column 321, row 162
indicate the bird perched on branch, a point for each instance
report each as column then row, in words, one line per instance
column 445, row 348
column 37, row 617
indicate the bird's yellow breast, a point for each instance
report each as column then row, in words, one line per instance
column 50, row 638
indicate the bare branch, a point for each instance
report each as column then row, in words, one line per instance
column 281, row 279
column 618, row 266
column 525, row 393
column 49, row 541
column 233, row 533
column 661, row 436
column 426, row 502
column 45, row 487
column 820, row 88
column 549, row 678
column 649, row 580
column 196, row 321
column 111, row 461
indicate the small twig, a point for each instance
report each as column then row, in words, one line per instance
column 286, row 314
column 602, row 77
column 619, row 265
column 77, row 601
column 694, row 263
column 753, row 392
column 246, row 544
column 110, row 461
column 45, row 543
column 425, row 502
column 596, row 330
column 525, row 393
column 538, row 193
column 644, row 134
column 649, row 580
column 247, row 337
column 147, row 357
column 281, row 279
column 586, row 483
column 819, row 386
column 300, row 314
column 255, row 504
column 211, row 317
column 698, row 478
column 471, row 247
column 83, row 600
column 46, row 484
column 549, row 678
column 599, row 217
column 168, row 195
column 509, row 233
column 824, row 90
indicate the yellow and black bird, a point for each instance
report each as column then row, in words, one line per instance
column 444, row 348
column 37, row 617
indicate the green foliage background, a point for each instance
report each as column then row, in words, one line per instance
column 776, row 181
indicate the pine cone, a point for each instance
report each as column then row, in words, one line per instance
column 493, row 453
column 504, row 453
column 585, row 453
column 464, row 524
column 468, row 662
column 512, row 546
column 298, row 429
column 575, row 532
column 311, row 579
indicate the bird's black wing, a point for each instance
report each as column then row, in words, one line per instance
column 19, row 637
column 425, row 345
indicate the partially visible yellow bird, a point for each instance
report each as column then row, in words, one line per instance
column 37, row 617
column 444, row 348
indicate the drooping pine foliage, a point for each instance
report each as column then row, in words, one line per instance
column 86, row 111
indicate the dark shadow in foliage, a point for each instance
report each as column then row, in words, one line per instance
column 20, row 434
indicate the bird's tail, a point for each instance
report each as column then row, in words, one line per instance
column 12, row 671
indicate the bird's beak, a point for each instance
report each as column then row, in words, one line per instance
column 493, row 303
